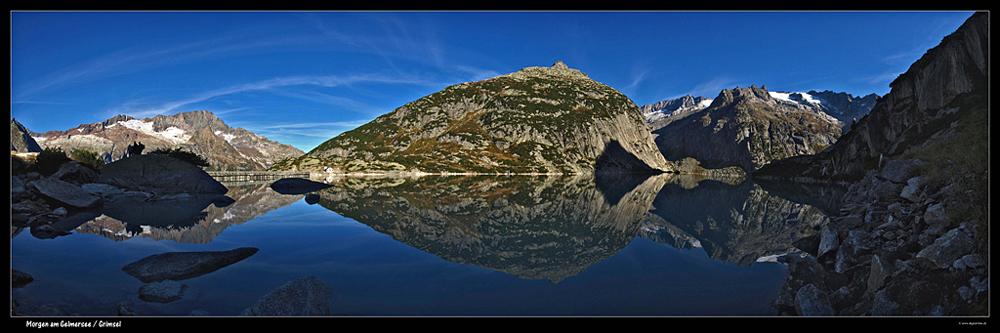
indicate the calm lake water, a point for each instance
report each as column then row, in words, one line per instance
column 444, row 246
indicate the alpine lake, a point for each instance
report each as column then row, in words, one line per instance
column 483, row 245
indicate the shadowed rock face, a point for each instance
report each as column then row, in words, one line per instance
column 537, row 120
column 20, row 139
column 184, row 265
column 159, row 174
column 943, row 86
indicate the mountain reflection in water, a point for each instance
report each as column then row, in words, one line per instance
column 553, row 227
column 530, row 245
column 188, row 219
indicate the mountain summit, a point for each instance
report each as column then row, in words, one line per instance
column 536, row 120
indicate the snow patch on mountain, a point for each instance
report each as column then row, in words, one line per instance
column 228, row 137
column 787, row 96
column 172, row 134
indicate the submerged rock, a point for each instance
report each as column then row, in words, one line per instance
column 162, row 292
column 19, row 279
column 184, row 265
column 306, row 296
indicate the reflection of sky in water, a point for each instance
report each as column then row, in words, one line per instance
column 373, row 274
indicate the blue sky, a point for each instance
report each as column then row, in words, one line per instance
column 304, row 77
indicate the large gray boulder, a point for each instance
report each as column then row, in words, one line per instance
column 159, row 174
column 306, row 296
column 66, row 193
column 184, row 265
column 76, row 173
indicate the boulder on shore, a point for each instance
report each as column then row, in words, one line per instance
column 66, row 193
column 160, row 174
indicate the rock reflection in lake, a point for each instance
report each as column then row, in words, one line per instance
column 734, row 221
column 188, row 219
column 533, row 227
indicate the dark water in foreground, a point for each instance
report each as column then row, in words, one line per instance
column 443, row 246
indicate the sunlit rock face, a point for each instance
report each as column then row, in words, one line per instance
column 200, row 132
column 537, row 227
column 537, row 120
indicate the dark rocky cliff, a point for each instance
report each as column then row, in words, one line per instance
column 936, row 91
column 911, row 236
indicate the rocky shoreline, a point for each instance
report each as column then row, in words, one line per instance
column 52, row 205
column 892, row 251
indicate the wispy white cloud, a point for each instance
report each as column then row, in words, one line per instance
column 883, row 78
column 712, row 88
column 141, row 110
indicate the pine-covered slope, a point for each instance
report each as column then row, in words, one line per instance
column 537, row 120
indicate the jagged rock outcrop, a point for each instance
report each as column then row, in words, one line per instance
column 911, row 238
column 664, row 112
column 846, row 108
column 884, row 254
column 537, row 120
column 200, row 132
column 21, row 140
column 939, row 89
column 747, row 128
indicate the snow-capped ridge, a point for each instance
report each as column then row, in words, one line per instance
column 172, row 133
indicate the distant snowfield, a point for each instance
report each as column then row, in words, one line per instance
column 172, row 134
column 788, row 97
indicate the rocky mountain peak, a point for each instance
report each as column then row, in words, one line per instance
column 20, row 138
column 750, row 94
column 559, row 69
column 537, row 120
